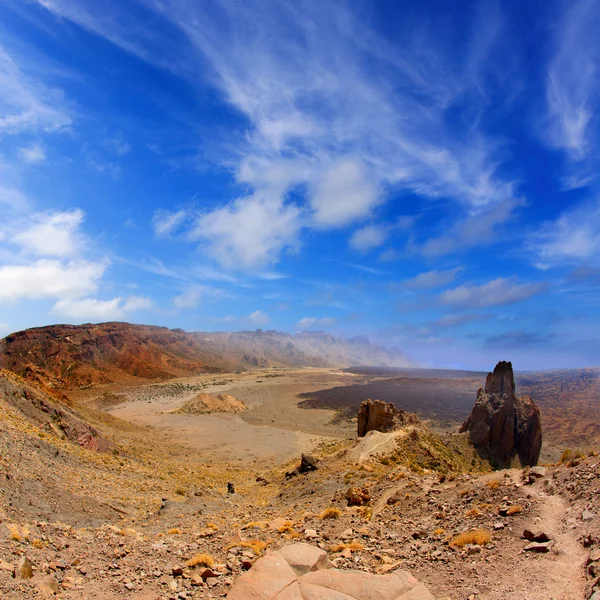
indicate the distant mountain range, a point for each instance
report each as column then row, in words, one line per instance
column 74, row 356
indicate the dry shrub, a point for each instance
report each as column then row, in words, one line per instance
column 15, row 534
column 479, row 537
column 37, row 543
column 288, row 531
column 439, row 531
column 331, row 513
column 257, row 546
column 201, row 560
column 515, row 509
column 354, row 546
column 472, row 513
column 493, row 484
column 466, row 492
column 172, row 531
column 180, row 491
column 255, row 525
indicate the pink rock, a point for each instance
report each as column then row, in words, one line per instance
column 269, row 576
column 304, row 558
column 361, row 585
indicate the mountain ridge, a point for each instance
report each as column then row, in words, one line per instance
column 72, row 356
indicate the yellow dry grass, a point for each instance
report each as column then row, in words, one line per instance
column 331, row 513
column 201, row 560
column 173, row 531
column 515, row 509
column 354, row 546
column 493, row 484
column 479, row 537
column 472, row 513
column 257, row 546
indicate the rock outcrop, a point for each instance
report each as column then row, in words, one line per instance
column 301, row 571
column 376, row 415
column 503, row 425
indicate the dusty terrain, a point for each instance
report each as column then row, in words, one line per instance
column 149, row 514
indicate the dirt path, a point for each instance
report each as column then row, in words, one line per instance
column 558, row 575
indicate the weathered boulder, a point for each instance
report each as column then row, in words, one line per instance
column 302, row 572
column 376, row 415
column 503, row 425
column 307, row 463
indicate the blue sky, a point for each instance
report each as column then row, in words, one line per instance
column 423, row 173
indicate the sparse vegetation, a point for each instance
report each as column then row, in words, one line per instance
column 331, row 513
column 478, row 537
column 515, row 509
column 493, row 484
column 354, row 546
column 200, row 560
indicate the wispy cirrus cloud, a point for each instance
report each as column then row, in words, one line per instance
column 334, row 111
column 26, row 104
column 573, row 90
column 433, row 279
column 498, row 292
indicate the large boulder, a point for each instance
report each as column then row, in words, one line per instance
column 376, row 415
column 303, row 572
column 503, row 425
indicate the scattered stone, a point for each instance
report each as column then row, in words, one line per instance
column 538, row 547
column 538, row 536
column 307, row 463
column 24, row 569
column 47, row 587
column 177, row 571
column 310, row 534
column 304, row 558
column 357, row 496
column 587, row 515
column 230, row 488
column 498, row 526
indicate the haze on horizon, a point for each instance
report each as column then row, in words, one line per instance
column 424, row 175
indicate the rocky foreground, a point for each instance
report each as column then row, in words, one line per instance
column 138, row 517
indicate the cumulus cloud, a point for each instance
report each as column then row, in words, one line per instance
column 101, row 310
column 250, row 232
column 344, row 193
column 258, row 318
column 432, row 279
column 51, row 234
column 192, row 297
column 33, row 154
column 369, row 237
column 46, row 278
column 314, row 322
column 498, row 292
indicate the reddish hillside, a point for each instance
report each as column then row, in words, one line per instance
column 74, row 356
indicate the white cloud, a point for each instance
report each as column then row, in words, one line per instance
column 26, row 105
column 52, row 234
column 498, row 292
column 478, row 229
column 314, row 322
column 250, row 232
column 319, row 88
column 572, row 238
column 100, row 310
column 258, row 318
column 432, row 279
column 13, row 198
column 165, row 222
column 573, row 84
column 33, row 155
column 47, row 278
column 191, row 297
column 344, row 193
column 369, row 237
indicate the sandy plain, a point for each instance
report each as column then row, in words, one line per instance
column 274, row 428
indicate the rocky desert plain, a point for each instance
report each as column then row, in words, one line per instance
column 141, row 463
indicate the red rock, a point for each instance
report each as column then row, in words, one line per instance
column 382, row 416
